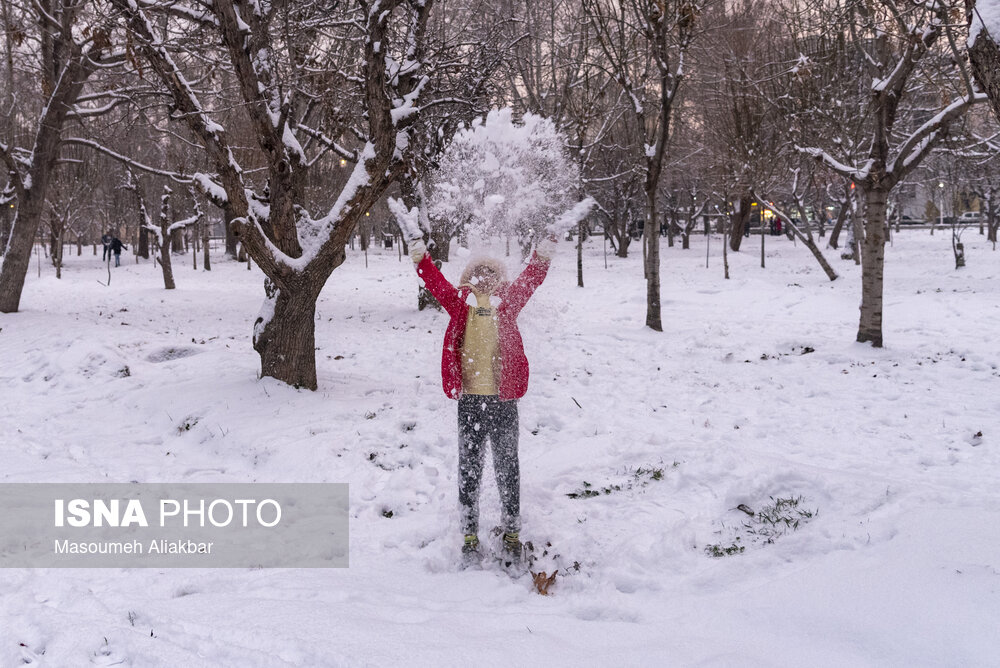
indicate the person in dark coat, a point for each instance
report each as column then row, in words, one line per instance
column 106, row 241
column 116, row 248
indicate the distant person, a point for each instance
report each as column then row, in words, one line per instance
column 116, row 248
column 106, row 240
column 483, row 366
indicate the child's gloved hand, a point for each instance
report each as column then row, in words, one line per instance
column 417, row 250
column 546, row 248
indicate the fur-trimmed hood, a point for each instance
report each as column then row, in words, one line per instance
column 483, row 261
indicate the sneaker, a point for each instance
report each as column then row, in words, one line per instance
column 512, row 548
column 470, row 550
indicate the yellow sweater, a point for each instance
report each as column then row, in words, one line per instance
column 480, row 349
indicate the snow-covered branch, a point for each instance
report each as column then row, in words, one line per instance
column 920, row 142
column 125, row 160
column 847, row 171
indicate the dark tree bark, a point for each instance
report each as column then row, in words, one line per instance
column 206, row 237
column 984, row 56
column 842, row 212
column 165, row 239
column 738, row 221
column 872, row 264
column 66, row 69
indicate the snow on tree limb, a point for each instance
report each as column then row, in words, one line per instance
column 847, row 171
column 174, row 176
column 407, row 219
column 916, row 146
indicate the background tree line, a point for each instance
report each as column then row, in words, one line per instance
column 291, row 122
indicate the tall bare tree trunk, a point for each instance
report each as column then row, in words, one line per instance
column 206, row 238
column 739, row 220
column 857, row 234
column 651, row 239
column 873, row 263
column 58, row 255
column 166, row 240
column 231, row 241
column 845, row 208
column 622, row 236
column 763, row 235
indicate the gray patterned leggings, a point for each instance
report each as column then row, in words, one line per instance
column 480, row 416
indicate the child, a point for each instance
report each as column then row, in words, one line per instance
column 483, row 366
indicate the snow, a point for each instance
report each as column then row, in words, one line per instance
column 208, row 186
column 571, row 218
column 504, row 176
column 898, row 567
column 985, row 16
column 407, row 219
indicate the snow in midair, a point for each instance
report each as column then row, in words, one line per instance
column 505, row 177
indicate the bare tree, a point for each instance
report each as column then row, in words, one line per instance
column 645, row 43
column 894, row 48
column 73, row 43
column 361, row 63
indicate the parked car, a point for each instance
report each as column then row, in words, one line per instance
column 969, row 217
column 909, row 220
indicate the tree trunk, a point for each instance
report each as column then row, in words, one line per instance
column 621, row 232
column 206, row 238
column 991, row 218
column 651, row 238
column 872, row 268
column 143, row 250
column 957, row 248
column 284, row 335
column 858, row 233
column 177, row 244
column 227, row 217
column 579, row 255
column 18, row 255
column 984, row 55
column 57, row 256
column 837, row 226
column 166, row 240
column 53, row 244
column 763, row 236
column 739, row 220
column 168, row 271
column 441, row 248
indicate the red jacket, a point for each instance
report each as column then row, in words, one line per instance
column 513, row 381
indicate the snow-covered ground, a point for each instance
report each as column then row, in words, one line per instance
column 898, row 564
